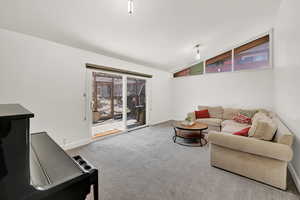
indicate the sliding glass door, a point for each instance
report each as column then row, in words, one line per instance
column 117, row 102
column 136, row 102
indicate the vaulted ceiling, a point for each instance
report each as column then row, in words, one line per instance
column 160, row 33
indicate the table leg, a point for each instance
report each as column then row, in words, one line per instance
column 175, row 135
column 201, row 138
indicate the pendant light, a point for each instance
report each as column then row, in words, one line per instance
column 197, row 49
column 130, row 7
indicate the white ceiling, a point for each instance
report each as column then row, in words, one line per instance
column 160, row 33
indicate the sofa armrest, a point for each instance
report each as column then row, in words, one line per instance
column 252, row 146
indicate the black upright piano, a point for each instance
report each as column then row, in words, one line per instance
column 33, row 166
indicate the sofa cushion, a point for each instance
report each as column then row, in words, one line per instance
column 267, row 112
column 202, row 114
column 248, row 113
column 258, row 116
column 264, row 129
column 202, row 107
column 214, row 111
column 231, row 126
column 210, row 121
column 283, row 135
column 229, row 113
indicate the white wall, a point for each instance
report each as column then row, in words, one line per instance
column 287, row 71
column 49, row 79
column 249, row 89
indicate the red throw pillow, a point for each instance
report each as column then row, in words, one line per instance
column 243, row 132
column 242, row 119
column 201, row 114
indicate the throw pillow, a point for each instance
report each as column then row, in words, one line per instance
column 248, row 113
column 257, row 116
column 263, row 128
column 243, row 132
column 242, row 119
column 201, row 114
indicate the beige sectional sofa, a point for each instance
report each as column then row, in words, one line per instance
column 264, row 161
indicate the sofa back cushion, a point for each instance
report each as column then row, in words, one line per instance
column 214, row 111
column 267, row 112
column 229, row 113
column 248, row 113
column 258, row 116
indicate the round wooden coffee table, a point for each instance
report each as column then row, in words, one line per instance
column 192, row 135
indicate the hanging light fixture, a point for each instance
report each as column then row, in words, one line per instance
column 130, row 6
column 198, row 55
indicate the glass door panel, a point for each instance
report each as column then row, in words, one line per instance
column 104, row 100
column 136, row 102
column 118, row 98
column 107, row 104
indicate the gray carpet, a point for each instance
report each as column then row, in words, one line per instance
column 146, row 165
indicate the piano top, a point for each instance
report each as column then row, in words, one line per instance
column 34, row 167
column 14, row 111
column 49, row 164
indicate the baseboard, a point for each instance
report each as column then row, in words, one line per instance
column 294, row 176
column 83, row 142
column 76, row 144
column 159, row 123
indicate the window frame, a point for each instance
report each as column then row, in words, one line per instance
column 261, row 37
column 267, row 67
column 188, row 70
column 222, row 56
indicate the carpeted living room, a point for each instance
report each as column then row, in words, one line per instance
column 152, row 100
column 147, row 164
